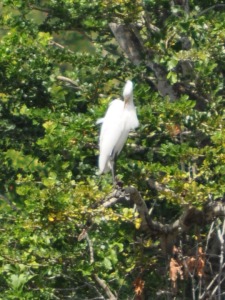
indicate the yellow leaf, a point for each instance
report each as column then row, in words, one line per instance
column 51, row 217
column 147, row 243
column 137, row 223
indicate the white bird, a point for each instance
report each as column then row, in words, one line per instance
column 119, row 119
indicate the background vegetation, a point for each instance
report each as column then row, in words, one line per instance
column 66, row 233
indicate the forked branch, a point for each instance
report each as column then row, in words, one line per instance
column 167, row 232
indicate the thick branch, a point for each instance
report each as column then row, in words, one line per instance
column 130, row 43
column 167, row 232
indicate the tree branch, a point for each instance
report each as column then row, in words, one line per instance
column 68, row 80
column 167, row 232
column 128, row 42
column 131, row 45
column 98, row 280
column 210, row 8
column 8, row 201
column 60, row 46
column 45, row 10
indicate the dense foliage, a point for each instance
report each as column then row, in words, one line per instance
column 57, row 239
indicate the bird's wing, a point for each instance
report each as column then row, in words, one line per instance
column 113, row 135
column 131, row 118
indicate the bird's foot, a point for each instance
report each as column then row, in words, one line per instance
column 118, row 184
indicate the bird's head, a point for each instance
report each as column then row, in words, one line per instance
column 128, row 91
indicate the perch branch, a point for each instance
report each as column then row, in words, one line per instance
column 167, row 232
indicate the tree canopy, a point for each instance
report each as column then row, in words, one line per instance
column 66, row 232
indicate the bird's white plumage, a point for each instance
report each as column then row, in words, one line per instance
column 128, row 90
column 119, row 119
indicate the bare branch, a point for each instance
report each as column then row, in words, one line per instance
column 210, row 8
column 209, row 235
column 68, row 80
column 91, row 250
column 186, row 6
column 160, row 188
column 8, row 201
column 217, row 287
column 98, row 280
column 220, row 234
column 45, row 10
column 105, row 287
column 59, row 46
column 149, row 25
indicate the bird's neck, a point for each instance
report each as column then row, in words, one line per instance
column 129, row 102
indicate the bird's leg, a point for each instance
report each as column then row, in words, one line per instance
column 113, row 169
column 117, row 184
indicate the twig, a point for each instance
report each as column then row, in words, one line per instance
column 221, row 239
column 60, row 46
column 68, row 80
column 186, row 6
column 98, row 280
column 105, row 287
column 161, row 188
column 208, row 287
column 216, row 288
column 90, row 248
column 210, row 8
column 8, row 201
column 192, row 279
column 45, row 10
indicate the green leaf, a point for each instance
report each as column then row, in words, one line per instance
column 107, row 263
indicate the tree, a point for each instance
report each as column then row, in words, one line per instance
column 66, row 233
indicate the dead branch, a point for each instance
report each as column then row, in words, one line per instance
column 68, row 80
column 105, row 287
column 42, row 9
column 98, row 280
column 60, row 46
column 221, row 239
column 149, row 25
column 160, row 188
column 220, row 5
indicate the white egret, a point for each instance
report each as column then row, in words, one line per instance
column 119, row 119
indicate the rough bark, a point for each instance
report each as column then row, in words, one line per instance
column 131, row 44
column 167, row 232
